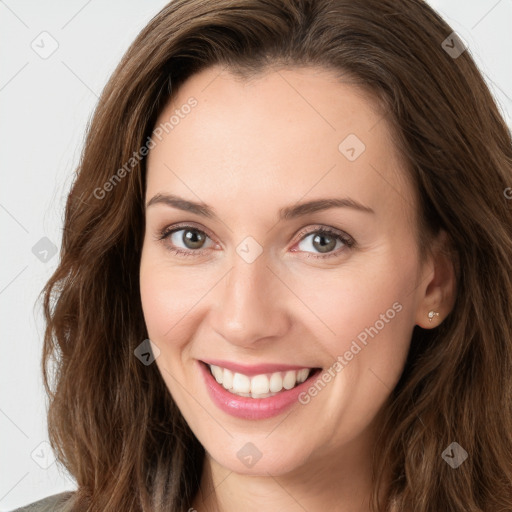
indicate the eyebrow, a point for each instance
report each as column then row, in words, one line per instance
column 286, row 213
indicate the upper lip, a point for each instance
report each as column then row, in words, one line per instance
column 255, row 369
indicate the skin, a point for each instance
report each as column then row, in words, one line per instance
column 248, row 149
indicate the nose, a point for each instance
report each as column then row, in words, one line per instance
column 251, row 304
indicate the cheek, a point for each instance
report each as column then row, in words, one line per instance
column 369, row 306
column 168, row 295
column 370, row 319
column 158, row 304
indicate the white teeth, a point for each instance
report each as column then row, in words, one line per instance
column 302, row 375
column 259, row 386
column 241, row 383
column 227, row 379
column 263, row 395
column 289, row 380
column 276, row 382
column 217, row 373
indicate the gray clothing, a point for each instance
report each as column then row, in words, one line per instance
column 54, row 503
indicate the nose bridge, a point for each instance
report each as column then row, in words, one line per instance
column 249, row 306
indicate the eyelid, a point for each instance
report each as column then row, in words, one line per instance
column 320, row 227
column 163, row 233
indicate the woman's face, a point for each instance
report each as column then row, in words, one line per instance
column 245, row 175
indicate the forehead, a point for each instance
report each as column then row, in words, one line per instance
column 283, row 135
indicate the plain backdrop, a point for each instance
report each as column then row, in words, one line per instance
column 55, row 59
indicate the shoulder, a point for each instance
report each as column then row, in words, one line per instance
column 52, row 503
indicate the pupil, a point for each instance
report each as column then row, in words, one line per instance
column 320, row 239
column 193, row 239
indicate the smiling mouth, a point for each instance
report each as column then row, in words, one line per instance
column 260, row 386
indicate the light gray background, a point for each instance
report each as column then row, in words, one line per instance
column 45, row 105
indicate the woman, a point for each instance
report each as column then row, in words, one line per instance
column 285, row 276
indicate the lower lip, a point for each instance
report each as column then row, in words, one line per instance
column 252, row 408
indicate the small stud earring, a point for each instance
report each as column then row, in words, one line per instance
column 432, row 314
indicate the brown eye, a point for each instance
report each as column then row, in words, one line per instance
column 324, row 242
column 192, row 238
column 185, row 240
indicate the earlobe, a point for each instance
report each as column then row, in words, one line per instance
column 432, row 314
column 437, row 294
column 430, row 319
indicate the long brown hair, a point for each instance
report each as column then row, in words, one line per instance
column 112, row 421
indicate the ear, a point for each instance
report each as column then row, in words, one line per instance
column 437, row 289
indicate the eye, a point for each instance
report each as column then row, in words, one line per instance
column 191, row 241
column 186, row 240
column 327, row 242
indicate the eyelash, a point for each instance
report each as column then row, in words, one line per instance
column 347, row 240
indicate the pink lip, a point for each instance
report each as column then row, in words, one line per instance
column 256, row 369
column 251, row 408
